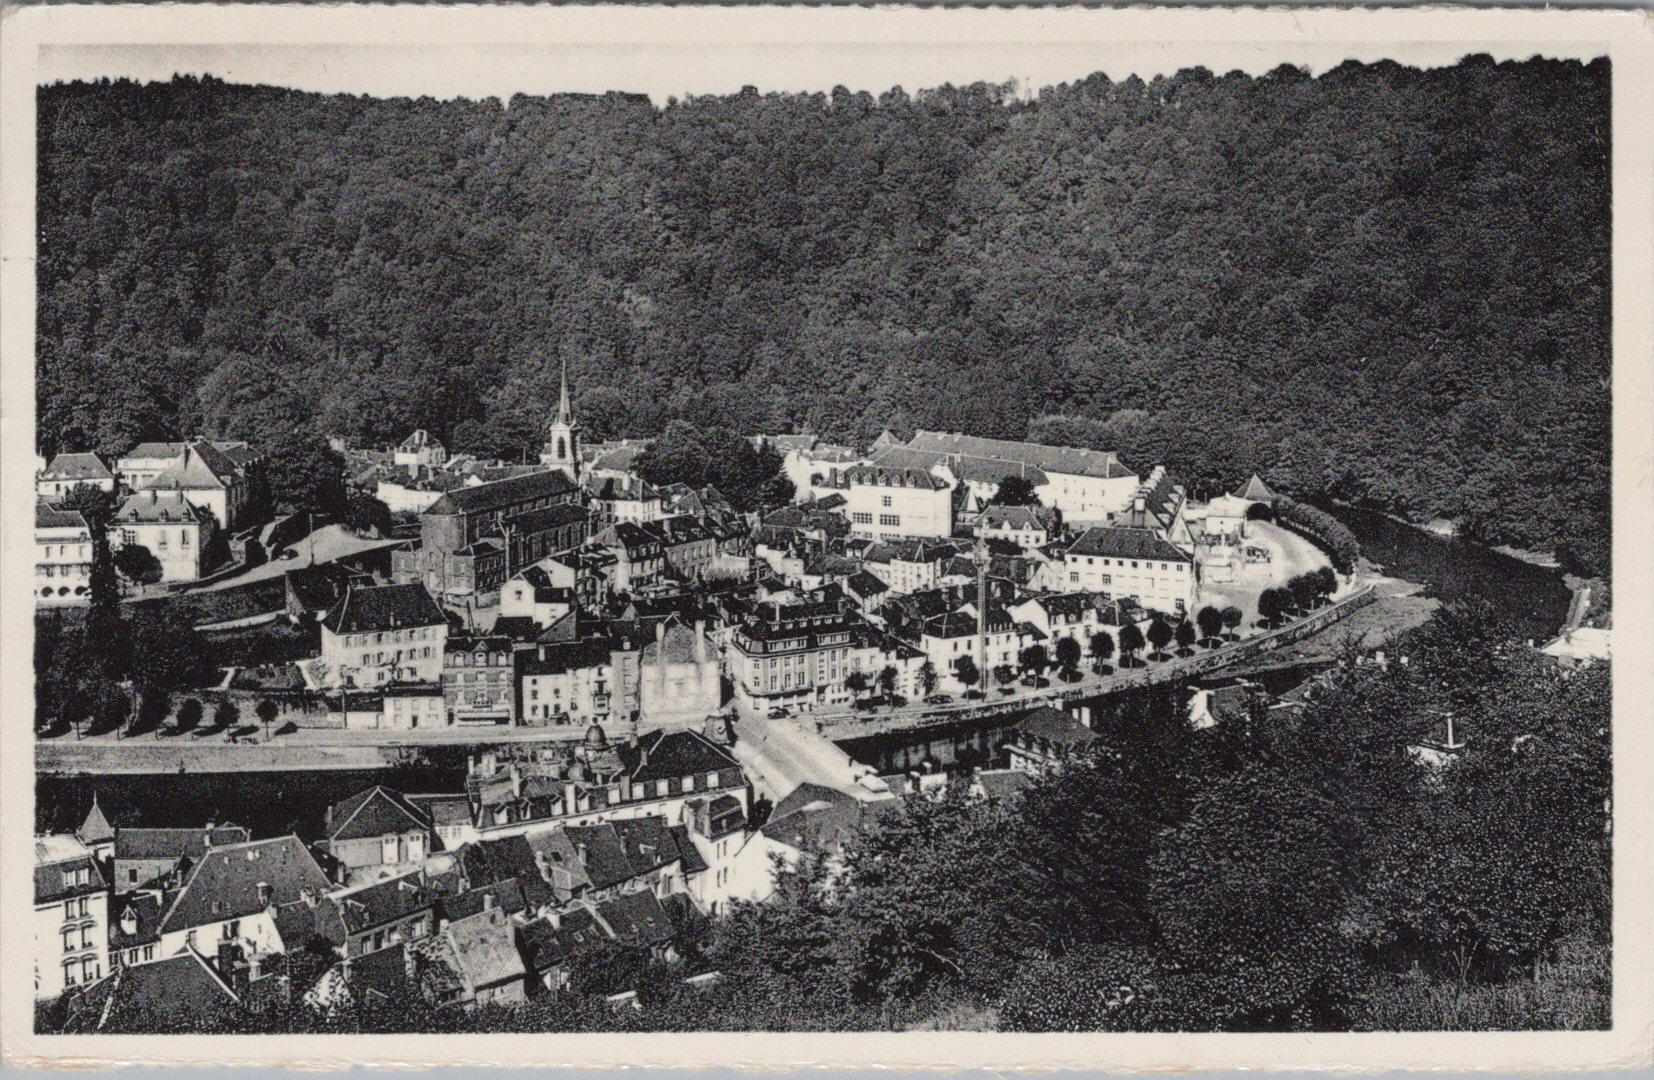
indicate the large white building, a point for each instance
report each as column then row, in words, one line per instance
column 897, row 504
column 71, row 916
column 170, row 526
column 69, row 471
column 62, row 557
column 1133, row 564
column 388, row 633
column 1086, row 485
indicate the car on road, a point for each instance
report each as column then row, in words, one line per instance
column 779, row 713
column 939, row 699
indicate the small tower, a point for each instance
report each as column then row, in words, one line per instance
column 563, row 437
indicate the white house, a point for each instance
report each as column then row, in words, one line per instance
column 420, row 449
column 172, row 527
column 69, row 471
column 1027, row 527
column 71, row 916
column 1133, row 564
column 894, row 504
column 232, row 894
column 62, row 557
column 383, row 634
column 1086, row 485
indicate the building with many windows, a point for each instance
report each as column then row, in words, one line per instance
column 71, row 916
column 796, row 656
column 895, row 503
column 1133, row 565
column 170, row 527
column 62, row 557
column 388, row 633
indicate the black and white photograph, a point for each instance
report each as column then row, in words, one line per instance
column 538, row 538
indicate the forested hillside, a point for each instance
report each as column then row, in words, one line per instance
column 1381, row 283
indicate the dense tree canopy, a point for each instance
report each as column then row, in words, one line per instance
column 1381, row 282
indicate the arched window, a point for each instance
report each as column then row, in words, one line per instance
column 562, row 448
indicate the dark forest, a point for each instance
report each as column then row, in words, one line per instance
column 1379, row 284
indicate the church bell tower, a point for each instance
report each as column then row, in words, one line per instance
column 563, row 437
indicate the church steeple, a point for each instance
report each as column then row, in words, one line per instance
column 562, row 449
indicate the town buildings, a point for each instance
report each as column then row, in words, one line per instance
column 377, row 832
column 62, row 557
column 71, row 916
column 1133, row 564
column 171, row 527
column 66, row 472
column 1085, row 485
column 382, row 634
column 887, row 503
column 479, row 680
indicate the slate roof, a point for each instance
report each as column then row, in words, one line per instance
column 1056, row 727
column 1003, row 783
column 298, row 924
column 503, row 494
column 562, row 657
column 578, row 931
column 154, row 505
column 647, row 842
column 384, row 901
column 384, row 607
column 547, row 518
column 80, row 468
column 484, row 949
column 601, row 854
column 1117, row 543
column 507, row 894
column 1060, row 459
column 58, row 856
column 96, row 828
column 224, row 883
column 539, row 946
column 637, row 919
column 378, row 811
column 1016, row 517
column 692, row 861
column 201, row 466
column 865, row 585
column 181, row 985
column 444, row 809
column 510, row 858
column 381, row 975
column 50, row 517
column 814, row 815
column 146, row 909
column 677, row 754
column 175, row 843
column 880, row 475
column 1256, row 490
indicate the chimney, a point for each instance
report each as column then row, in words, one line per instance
column 488, row 901
column 700, row 641
column 516, row 781
column 264, row 894
column 580, row 850
column 1139, row 503
column 206, row 835
column 542, row 652
column 308, row 895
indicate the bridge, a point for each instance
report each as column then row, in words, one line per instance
column 842, row 724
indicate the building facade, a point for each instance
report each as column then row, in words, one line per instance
column 388, row 633
column 71, row 916
column 62, row 557
column 895, row 504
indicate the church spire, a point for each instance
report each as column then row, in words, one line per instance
column 565, row 414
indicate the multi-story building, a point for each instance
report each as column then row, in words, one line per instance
column 1133, row 565
column 679, row 679
column 996, row 643
column 688, row 544
column 71, row 916
column 232, row 893
column 70, row 471
column 62, row 557
column 144, row 462
column 626, row 499
column 420, row 450
column 479, row 680
column 376, row 831
column 170, row 527
column 639, row 556
column 210, row 479
column 909, row 566
column 1027, row 527
column 473, row 539
column 577, row 684
column 1086, row 485
column 1073, row 615
column 795, row 656
column 388, row 633
column 896, row 503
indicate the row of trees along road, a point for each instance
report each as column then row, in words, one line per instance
column 1381, row 282
column 1304, row 873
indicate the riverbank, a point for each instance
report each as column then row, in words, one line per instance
column 1400, row 606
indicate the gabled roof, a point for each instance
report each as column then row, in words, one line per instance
column 1056, row 727
column 378, row 811
column 1118, row 543
column 637, row 919
column 176, row 843
column 881, row 475
column 224, row 883
column 384, row 901
column 184, row 985
column 78, row 468
column 484, row 949
column 537, row 943
column 865, row 585
column 145, row 909
column 677, row 754
column 814, row 815
column 510, row 858
column 384, row 607
column 503, row 494
column 50, row 517
column 202, row 466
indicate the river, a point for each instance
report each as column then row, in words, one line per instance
column 1531, row 600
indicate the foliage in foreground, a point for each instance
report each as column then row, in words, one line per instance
column 1275, row 873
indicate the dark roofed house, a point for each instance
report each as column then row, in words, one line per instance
column 387, row 913
column 171, row 993
column 375, row 829
column 143, row 856
column 68, row 471
column 234, row 890
column 1125, row 543
column 480, row 952
column 135, row 928
column 636, row 919
column 388, row 633
column 1046, row 737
